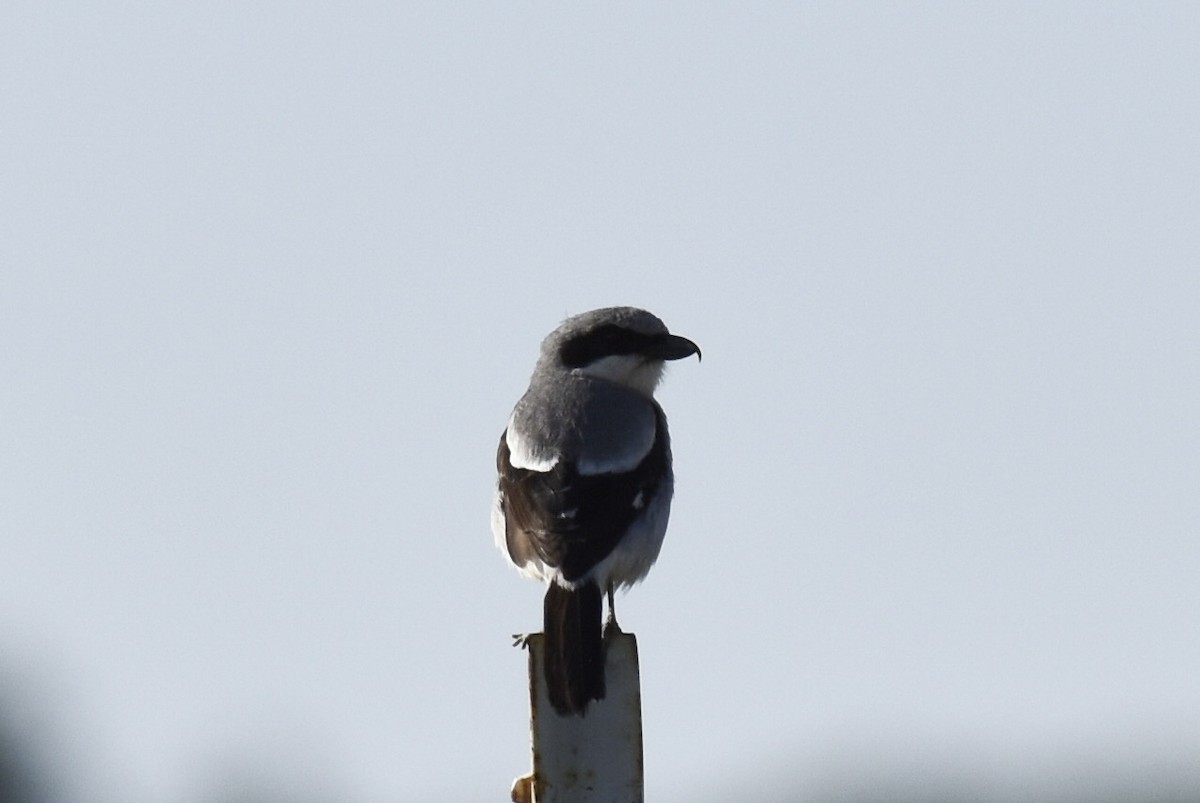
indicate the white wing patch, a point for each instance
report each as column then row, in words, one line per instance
column 522, row 454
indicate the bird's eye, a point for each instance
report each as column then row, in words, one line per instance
column 604, row 341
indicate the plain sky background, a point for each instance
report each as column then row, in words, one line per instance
column 272, row 276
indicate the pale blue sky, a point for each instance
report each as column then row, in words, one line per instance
column 271, row 278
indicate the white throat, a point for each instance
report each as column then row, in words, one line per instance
column 630, row 370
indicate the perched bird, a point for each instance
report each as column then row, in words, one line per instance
column 585, row 482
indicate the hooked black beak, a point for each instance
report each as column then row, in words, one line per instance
column 673, row 347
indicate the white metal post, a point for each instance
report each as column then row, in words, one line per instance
column 595, row 758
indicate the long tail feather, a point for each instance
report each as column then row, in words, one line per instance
column 574, row 647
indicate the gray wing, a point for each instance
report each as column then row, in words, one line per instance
column 599, row 427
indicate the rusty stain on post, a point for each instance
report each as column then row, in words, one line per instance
column 596, row 758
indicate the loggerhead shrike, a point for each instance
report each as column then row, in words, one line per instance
column 585, row 482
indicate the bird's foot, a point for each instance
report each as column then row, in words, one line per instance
column 521, row 640
column 611, row 628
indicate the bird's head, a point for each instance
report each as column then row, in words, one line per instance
column 625, row 345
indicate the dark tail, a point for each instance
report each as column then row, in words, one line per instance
column 574, row 647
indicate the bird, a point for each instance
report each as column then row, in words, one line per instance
column 585, row 482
